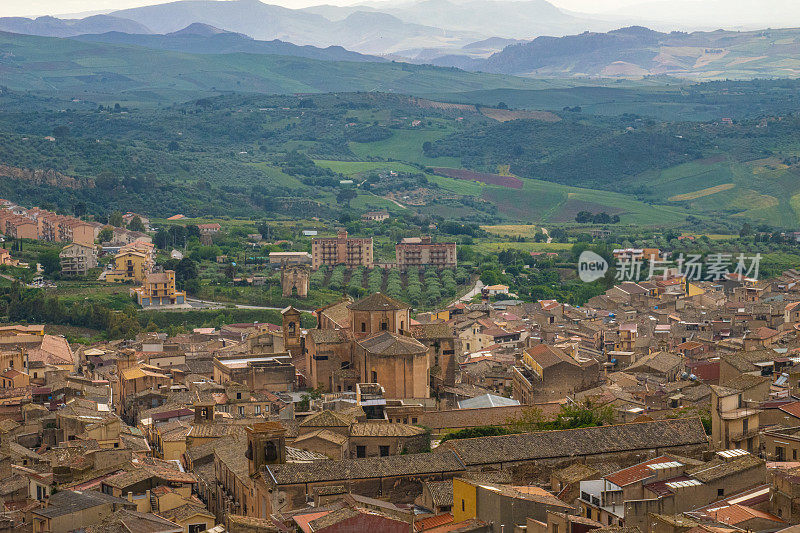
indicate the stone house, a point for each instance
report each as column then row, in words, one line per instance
column 549, row 373
column 70, row 510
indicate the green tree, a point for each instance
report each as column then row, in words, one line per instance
column 61, row 132
column 50, row 261
column 136, row 224
column 105, row 235
column 162, row 239
column 115, row 219
column 345, row 196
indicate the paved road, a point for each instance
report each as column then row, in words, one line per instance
column 473, row 292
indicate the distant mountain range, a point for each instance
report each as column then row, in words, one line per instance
column 86, row 69
column 365, row 31
column 200, row 38
column 496, row 36
column 425, row 28
column 637, row 51
column 54, row 27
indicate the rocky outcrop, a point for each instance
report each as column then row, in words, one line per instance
column 48, row 177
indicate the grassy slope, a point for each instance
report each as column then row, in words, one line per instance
column 764, row 191
column 406, row 145
column 46, row 64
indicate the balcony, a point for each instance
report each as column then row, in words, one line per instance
column 739, row 436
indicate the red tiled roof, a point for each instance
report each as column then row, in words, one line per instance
column 635, row 473
column 736, row 514
column 792, row 409
column 689, row 345
column 659, row 488
column 433, row 521
column 764, row 333
column 303, row 520
column 547, row 356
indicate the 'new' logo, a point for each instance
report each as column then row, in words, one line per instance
column 591, row 266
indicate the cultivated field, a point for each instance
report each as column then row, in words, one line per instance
column 504, row 115
column 490, row 179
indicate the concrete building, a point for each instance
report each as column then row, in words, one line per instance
column 272, row 373
column 159, row 289
column 132, row 264
column 289, row 258
column 549, row 373
column 735, row 412
column 77, row 259
column 375, row 216
column 415, row 252
column 72, row 510
column 341, row 250
column 503, row 506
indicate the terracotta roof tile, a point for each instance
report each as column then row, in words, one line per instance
column 576, row 442
column 433, row 521
column 638, row 472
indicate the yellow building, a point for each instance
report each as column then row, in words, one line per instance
column 158, row 289
column 170, row 440
column 131, row 265
column 191, row 517
column 465, row 500
column 693, row 290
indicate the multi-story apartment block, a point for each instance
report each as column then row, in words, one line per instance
column 20, row 227
column 132, row 264
column 158, row 289
column 341, row 250
column 414, row 252
column 77, row 259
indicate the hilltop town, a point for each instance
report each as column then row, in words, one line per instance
column 657, row 406
column 256, row 286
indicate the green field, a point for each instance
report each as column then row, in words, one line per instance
column 544, row 201
column 352, row 168
column 763, row 191
column 494, row 247
column 406, row 145
column 279, row 177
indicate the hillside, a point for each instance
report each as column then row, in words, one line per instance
column 366, row 31
column 500, row 18
column 110, row 72
column 203, row 39
column 55, row 27
column 638, row 51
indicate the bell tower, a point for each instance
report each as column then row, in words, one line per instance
column 266, row 445
column 295, row 281
column 292, row 333
column 203, row 412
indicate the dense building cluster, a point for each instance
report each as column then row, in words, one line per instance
column 661, row 406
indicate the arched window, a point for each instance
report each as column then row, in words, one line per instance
column 270, row 452
column 290, row 328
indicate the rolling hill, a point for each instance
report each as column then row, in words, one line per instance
column 122, row 72
column 204, row 39
column 365, row 31
column 55, row 27
column 638, row 51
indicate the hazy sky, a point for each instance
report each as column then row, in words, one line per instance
column 14, row 8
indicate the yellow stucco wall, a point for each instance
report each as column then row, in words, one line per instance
column 465, row 500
